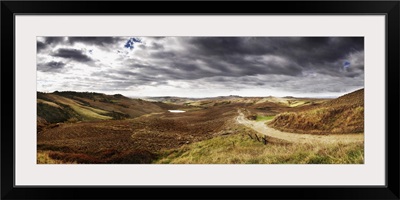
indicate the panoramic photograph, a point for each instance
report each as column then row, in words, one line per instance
column 200, row 100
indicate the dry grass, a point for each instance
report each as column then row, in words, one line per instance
column 241, row 149
column 322, row 121
column 207, row 134
column 342, row 115
column 109, row 156
column 48, row 103
column 44, row 158
column 86, row 112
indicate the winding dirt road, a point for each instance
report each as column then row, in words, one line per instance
column 262, row 128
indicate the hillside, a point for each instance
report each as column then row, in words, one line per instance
column 84, row 106
column 136, row 140
column 86, row 127
column 342, row 115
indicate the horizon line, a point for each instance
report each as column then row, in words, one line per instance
column 232, row 95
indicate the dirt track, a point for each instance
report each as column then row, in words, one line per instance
column 262, row 128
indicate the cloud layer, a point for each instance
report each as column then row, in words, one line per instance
column 202, row 66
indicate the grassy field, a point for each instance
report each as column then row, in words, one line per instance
column 240, row 148
column 264, row 118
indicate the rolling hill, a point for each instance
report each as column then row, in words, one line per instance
column 84, row 106
column 95, row 128
column 342, row 115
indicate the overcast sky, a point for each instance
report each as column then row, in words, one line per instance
column 201, row 66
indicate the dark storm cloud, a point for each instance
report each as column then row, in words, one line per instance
column 222, row 46
column 100, row 41
column 323, row 54
column 40, row 46
column 53, row 40
column 243, row 58
column 51, row 66
column 193, row 66
column 157, row 46
column 163, row 54
column 299, row 64
column 123, row 79
column 125, row 75
column 325, row 48
column 73, row 54
column 47, row 42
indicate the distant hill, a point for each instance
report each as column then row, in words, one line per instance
column 84, row 106
column 342, row 115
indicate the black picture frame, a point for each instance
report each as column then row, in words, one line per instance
column 9, row 9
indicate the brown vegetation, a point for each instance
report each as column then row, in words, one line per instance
column 131, row 140
column 342, row 115
column 95, row 128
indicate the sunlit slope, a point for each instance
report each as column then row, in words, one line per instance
column 342, row 115
column 76, row 106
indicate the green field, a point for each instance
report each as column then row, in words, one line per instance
column 264, row 118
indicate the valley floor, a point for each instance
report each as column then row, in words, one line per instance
column 220, row 134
